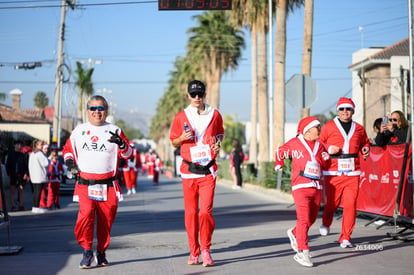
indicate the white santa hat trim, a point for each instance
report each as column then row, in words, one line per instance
column 314, row 123
column 345, row 105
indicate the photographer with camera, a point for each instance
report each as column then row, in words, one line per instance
column 393, row 132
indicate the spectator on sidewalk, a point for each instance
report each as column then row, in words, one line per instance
column 395, row 132
column 16, row 169
column 236, row 160
column 38, row 165
column 55, row 177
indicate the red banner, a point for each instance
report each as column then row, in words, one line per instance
column 380, row 179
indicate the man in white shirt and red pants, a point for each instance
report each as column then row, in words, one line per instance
column 94, row 148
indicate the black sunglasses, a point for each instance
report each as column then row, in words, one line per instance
column 97, row 108
column 200, row 94
column 394, row 119
column 347, row 108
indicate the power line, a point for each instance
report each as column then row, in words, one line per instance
column 77, row 5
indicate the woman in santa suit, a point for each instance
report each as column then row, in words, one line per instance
column 345, row 140
column 308, row 159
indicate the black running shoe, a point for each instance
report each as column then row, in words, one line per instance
column 87, row 259
column 101, row 259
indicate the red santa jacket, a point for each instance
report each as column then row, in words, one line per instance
column 301, row 154
column 207, row 135
column 133, row 163
column 55, row 171
column 332, row 133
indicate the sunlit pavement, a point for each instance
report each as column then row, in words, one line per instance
column 148, row 237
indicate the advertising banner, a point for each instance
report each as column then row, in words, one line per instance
column 380, row 180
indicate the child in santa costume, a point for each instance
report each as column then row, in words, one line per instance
column 308, row 158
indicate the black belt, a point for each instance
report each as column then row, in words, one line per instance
column 199, row 169
column 344, row 156
column 303, row 175
column 108, row 181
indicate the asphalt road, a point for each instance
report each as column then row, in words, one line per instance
column 148, row 237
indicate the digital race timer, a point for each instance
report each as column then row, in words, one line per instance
column 164, row 5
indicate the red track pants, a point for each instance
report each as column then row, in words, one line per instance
column 130, row 177
column 105, row 212
column 195, row 190
column 307, row 202
column 341, row 189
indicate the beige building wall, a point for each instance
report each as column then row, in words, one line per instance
column 377, row 88
column 399, row 82
column 39, row 131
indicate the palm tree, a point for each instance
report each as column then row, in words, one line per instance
column 217, row 46
column 283, row 6
column 307, row 45
column 247, row 13
column 174, row 98
column 85, row 86
column 40, row 100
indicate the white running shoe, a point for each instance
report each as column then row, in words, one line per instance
column 129, row 192
column 323, row 230
column 292, row 239
column 302, row 257
column 133, row 190
column 346, row 244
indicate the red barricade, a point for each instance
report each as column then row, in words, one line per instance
column 380, row 179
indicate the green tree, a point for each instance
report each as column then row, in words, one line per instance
column 130, row 133
column 216, row 45
column 40, row 100
column 233, row 129
column 175, row 97
column 85, row 86
column 244, row 14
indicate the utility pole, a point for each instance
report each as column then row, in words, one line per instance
column 59, row 74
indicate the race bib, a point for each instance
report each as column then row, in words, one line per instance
column 346, row 165
column 98, row 192
column 312, row 170
column 200, row 153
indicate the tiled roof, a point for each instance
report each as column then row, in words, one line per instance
column 400, row 48
column 12, row 115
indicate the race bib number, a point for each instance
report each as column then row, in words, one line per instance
column 98, row 192
column 312, row 170
column 200, row 153
column 346, row 165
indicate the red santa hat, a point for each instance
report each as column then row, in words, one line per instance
column 307, row 123
column 45, row 145
column 132, row 144
column 345, row 102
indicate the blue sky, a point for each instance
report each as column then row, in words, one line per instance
column 137, row 45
